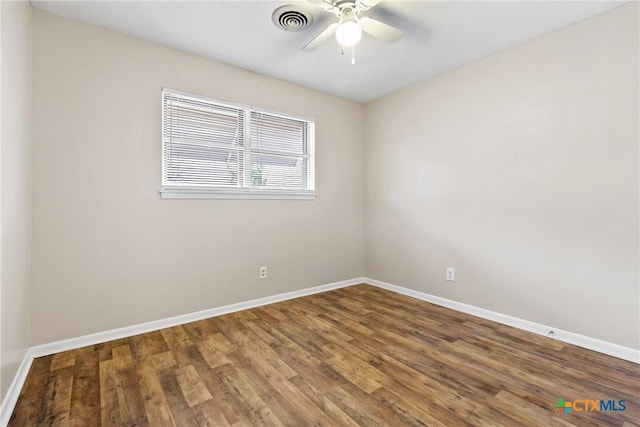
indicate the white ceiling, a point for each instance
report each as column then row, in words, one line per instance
column 438, row 36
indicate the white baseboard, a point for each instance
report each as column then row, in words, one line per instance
column 128, row 331
column 9, row 402
column 611, row 349
column 10, row 399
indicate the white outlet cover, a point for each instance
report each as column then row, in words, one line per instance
column 451, row 274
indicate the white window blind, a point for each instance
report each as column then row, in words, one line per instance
column 214, row 148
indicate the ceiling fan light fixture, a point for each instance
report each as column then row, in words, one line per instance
column 348, row 33
column 349, row 28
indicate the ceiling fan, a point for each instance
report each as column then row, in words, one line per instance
column 349, row 28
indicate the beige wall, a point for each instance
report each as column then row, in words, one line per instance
column 15, row 186
column 520, row 171
column 108, row 252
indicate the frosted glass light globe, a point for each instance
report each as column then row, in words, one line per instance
column 348, row 33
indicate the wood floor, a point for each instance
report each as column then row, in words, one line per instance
column 354, row 356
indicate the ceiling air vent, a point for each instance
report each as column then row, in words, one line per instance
column 292, row 18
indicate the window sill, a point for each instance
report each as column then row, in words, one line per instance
column 190, row 193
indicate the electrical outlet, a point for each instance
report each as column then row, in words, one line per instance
column 263, row 272
column 451, row 274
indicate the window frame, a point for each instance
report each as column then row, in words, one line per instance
column 179, row 191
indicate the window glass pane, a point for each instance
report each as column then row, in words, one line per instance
column 187, row 121
column 274, row 133
column 278, row 171
column 192, row 164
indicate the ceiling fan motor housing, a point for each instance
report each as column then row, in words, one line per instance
column 346, row 9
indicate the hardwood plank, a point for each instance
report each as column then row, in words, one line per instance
column 177, row 349
column 181, row 336
column 253, row 407
column 155, row 343
column 63, row 360
column 163, row 361
column 212, row 414
column 409, row 408
column 57, row 398
column 85, row 397
column 109, row 413
column 332, row 410
column 200, row 330
column 31, row 397
column 180, row 410
column 358, row 372
column 224, row 403
column 259, row 352
column 355, row 398
column 130, row 402
column 155, row 401
column 191, row 384
column 267, row 384
column 521, row 411
column 215, row 350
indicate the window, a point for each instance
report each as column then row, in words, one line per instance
column 216, row 149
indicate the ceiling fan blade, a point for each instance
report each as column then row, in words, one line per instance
column 325, row 34
column 325, row 4
column 380, row 30
column 368, row 4
column 321, row 2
